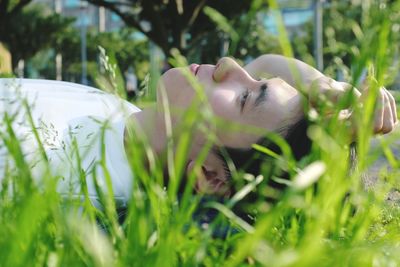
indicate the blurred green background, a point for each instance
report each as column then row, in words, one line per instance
column 59, row 39
column 336, row 222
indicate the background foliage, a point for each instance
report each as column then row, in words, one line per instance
column 31, row 30
column 335, row 222
column 202, row 31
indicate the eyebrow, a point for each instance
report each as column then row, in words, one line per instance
column 262, row 96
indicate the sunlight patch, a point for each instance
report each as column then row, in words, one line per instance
column 309, row 175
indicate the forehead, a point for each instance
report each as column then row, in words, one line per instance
column 281, row 108
column 281, row 102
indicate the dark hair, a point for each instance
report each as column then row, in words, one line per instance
column 255, row 162
column 252, row 161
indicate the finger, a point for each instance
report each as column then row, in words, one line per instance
column 392, row 105
column 327, row 88
column 388, row 124
column 347, row 87
column 378, row 120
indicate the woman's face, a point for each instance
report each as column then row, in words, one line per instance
column 236, row 97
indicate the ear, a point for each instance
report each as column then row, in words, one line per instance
column 210, row 177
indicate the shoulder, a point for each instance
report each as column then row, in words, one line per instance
column 57, row 91
column 41, row 84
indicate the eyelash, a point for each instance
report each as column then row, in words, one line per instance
column 243, row 98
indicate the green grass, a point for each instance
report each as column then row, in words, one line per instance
column 334, row 223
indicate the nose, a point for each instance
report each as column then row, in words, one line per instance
column 227, row 68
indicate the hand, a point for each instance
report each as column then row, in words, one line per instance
column 326, row 88
column 385, row 117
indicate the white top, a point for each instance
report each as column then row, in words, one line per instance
column 63, row 113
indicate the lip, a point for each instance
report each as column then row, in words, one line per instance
column 194, row 68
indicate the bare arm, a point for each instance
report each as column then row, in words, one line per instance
column 298, row 74
column 289, row 69
column 301, row 75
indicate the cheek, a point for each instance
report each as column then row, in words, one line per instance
column 283, row 108
column 223, row 103
column 284, row 97
column 177, row 89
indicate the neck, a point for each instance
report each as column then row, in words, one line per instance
column 151, row 125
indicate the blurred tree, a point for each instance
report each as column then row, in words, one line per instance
column 30, row 30
column 129, row 50
column 244, row 36
column 351, row 36
column 170, row 24
column 8, row 9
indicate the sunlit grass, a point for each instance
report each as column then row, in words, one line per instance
column 330, row 220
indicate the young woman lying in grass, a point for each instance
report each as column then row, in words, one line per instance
column 79, row 131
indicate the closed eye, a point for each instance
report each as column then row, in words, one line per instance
column 243, row 99
column 262, row 96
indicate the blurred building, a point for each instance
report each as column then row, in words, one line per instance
column 85, row 13
column 87, row 16
column 295, row 14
